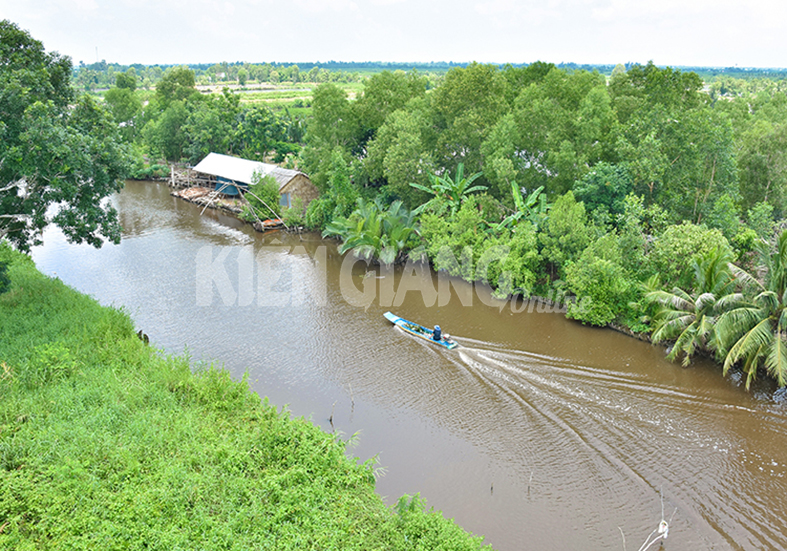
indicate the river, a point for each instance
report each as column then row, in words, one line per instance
column 537, row 433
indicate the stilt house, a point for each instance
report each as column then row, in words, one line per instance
column 233, row 175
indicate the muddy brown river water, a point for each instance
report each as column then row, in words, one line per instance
column 537, row 433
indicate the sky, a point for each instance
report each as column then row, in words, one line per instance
column 750, row 33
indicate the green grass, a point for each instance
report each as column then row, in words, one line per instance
column 250, row 95
column 107, row 444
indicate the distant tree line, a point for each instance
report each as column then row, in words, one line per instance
column 103, row 75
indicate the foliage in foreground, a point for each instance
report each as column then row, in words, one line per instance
column 56, row 149
column 105, row 444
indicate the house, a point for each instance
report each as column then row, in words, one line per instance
column 233, row 175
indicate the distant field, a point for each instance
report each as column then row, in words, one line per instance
column 296, row 98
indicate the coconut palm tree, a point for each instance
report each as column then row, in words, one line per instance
column 754, row 333
column 690, row 319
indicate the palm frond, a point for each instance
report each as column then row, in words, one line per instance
column 731, row 301
column 744, row 278
column 776, row 362
column 750, row 346
column 669, row 329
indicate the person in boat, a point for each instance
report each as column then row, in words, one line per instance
column 437, row 334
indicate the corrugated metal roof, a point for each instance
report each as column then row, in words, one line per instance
column 241, row 170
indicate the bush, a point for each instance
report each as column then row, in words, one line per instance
column 678, row 247
column 599, row 282
column 150, row 172
column 319, row 212
column 5, row 280
column 294, row 216
column 263, row 196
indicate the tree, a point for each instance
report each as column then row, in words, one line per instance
column 519, row 78
column 647, row 86
column 466, row 107
column 167, row 133
column 754, row 333
column 331, row 126
column 372, row 231
column 599, row 281
column 60, row 156
column 567, row 232
column 243, row 76
column 762, row 164
column 605, row 186
column 557, row 129
column 125, row 106
column 383, row 94
column 127, row 80
column 264, row 196
column 400, row 152
column 690, row 319
column 678, row 248
column 204, row 131
column 453, row 191
column 210, row 126
column 259, row 130
column 177, row 84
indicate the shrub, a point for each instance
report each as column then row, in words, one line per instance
column 295, row 215
column 678, row 247
column 599, row 282
column 263, row 196
column 5, row 280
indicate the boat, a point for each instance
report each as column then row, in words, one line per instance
column 268, row 225
column 421, row 332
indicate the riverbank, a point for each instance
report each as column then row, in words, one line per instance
column 106, row 443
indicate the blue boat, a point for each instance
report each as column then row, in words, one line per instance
column 420, row 331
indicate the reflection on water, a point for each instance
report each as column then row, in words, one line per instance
column 537, row 432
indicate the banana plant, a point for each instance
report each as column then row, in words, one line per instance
column 454, row 191
column 372, row 231
column 534, row 208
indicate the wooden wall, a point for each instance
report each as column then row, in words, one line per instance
column 302, row 187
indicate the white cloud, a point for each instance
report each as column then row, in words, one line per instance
column 709, row 10
column 82, row 5
column 322, row 6
column 680, row 32
column 511, row 13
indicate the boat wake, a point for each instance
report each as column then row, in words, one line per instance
column 610, row 436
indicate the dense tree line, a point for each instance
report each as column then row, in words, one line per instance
column 103, row 75
column 609, row 191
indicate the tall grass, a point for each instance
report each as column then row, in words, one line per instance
column 106, row 443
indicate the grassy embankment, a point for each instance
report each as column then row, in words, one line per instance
column 107, row 444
